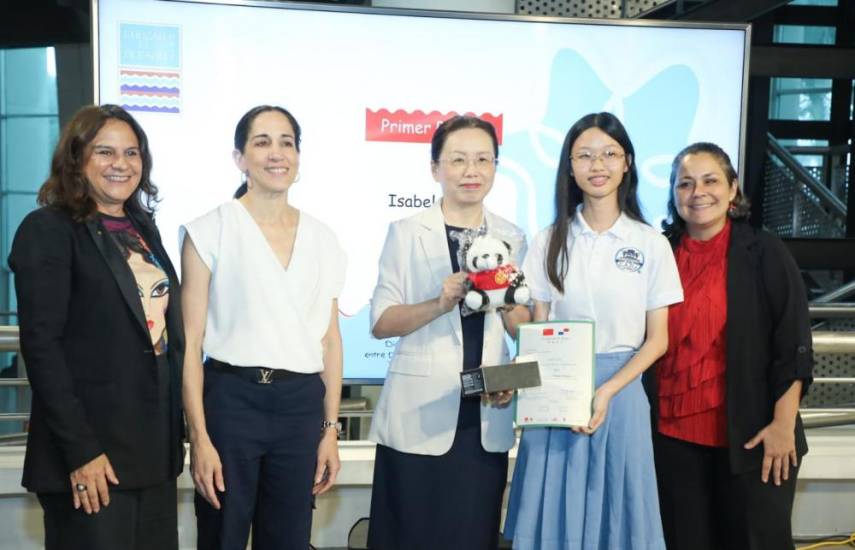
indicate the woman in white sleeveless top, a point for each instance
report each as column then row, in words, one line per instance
column 260, row 288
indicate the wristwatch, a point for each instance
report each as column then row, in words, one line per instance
column 331, row 424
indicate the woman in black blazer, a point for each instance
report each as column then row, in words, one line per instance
column 102, row 340
column 729, row 438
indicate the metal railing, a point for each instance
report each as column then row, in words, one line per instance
column 9, row 338
column 823, row 342
column 795, row 203
column 832, row 169
column 823, row 310
column 835, row 296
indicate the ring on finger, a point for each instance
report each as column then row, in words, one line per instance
column 80, row 488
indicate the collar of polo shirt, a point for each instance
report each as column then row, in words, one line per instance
column 620, row 229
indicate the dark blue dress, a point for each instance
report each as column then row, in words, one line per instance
column 452, row 501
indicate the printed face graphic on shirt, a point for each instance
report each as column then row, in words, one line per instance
column 153, row 288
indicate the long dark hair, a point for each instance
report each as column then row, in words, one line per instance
column 460, row 122
column 67, row 187
column 675, row 226
column 245, row 124
column 568, row 195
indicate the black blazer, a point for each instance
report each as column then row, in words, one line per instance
column 89, row 356
column 769, row 342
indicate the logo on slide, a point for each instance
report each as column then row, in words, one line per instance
column 414, row 127
column 150, row 68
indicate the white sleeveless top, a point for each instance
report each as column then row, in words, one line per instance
column 259, row 313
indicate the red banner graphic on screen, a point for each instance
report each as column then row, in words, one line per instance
column 414, row 127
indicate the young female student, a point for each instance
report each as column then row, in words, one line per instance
column 441, row 462
column 729, row 438
column 260, row 283
column 594, row 487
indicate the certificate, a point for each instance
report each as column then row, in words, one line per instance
column 565, row 352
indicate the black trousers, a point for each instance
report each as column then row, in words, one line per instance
column 136, row 519
column 706, row 507
column 267, row 436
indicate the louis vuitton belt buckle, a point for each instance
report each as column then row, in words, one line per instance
column 265, row 376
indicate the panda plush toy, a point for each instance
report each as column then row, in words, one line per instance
column 492, row 281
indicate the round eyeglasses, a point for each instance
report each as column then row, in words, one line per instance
column 461, row 162
column 610, row 158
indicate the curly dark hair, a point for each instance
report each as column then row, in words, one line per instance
column 674, row 226
column 67, row 187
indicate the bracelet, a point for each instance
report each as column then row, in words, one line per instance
column 331, row 424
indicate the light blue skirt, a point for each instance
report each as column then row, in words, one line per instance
column 578, row 492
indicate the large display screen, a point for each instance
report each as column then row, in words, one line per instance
column 369, row 87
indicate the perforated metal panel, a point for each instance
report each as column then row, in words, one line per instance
column 791, row 209
column 600, row 9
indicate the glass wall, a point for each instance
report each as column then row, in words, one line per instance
column 29, row 128
column 804, row 34
column 813, row 3
column 800, row 99
column 809, row 161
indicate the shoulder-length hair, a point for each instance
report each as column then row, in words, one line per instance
column 740, row 209
column 67, row 187
column 568, row 195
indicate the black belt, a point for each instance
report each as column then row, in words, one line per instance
column 259, row 375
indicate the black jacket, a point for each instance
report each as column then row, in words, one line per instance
column 89, row 355
column 768, row 339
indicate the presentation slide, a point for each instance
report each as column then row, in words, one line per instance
column 369, row 87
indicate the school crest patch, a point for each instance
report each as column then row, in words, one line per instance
column 629, row 259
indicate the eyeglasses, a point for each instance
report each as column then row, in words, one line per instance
column 460, row 162
column 610, row 157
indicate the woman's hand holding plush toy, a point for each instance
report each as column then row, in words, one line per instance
column 453, row 290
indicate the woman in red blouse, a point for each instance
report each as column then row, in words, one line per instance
column 729, row 437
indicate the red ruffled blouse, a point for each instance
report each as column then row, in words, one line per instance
column 692, row 374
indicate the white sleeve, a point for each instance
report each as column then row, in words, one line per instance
column 391, row 273
column 338, row 268
column 534, row 268
column 205, row 234
column 520, row 250
column 663, row 283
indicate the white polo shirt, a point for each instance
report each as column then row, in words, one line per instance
column 259, row 313
column 613, row 279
